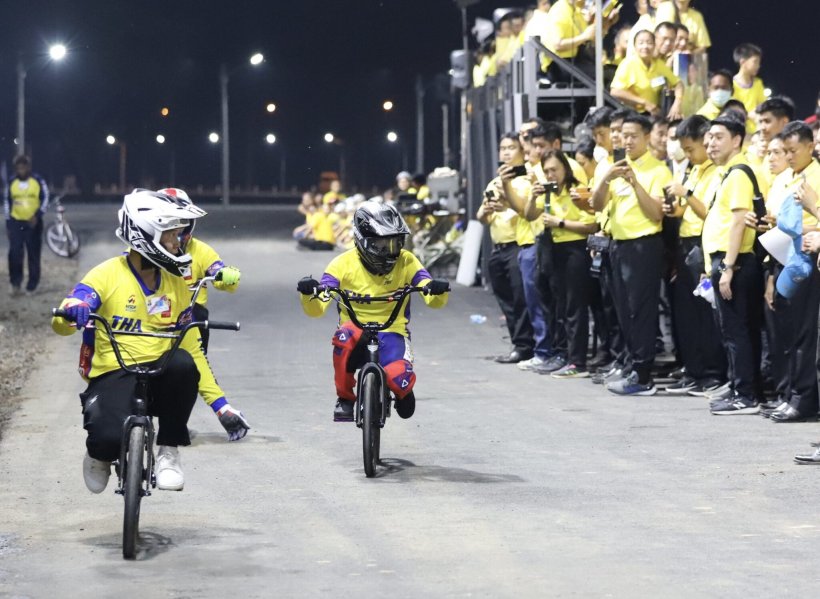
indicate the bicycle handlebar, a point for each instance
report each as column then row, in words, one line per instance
column 398, row 296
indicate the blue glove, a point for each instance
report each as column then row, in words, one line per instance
column 233, row 421
column 78, row 314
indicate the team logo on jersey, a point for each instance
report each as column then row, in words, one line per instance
column 160, row 305
column 131, row 306
column 186, row 273
column 123, row 323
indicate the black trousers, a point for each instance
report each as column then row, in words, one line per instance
column 107, row 402
column 508, row 288
column 615, row 336
column 25, row 240
column 699, row 341
column 740, row 322
column 779, row 330
column 312, row 244
column 636, row 273
column 804, row 307
column 572, row 284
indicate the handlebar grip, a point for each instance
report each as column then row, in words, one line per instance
column 222, row 326
column 59, row 312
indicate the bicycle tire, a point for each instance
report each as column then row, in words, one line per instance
column 64, row 243
column 369, row 400
column 132, row 491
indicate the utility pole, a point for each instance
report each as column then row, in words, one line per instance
column 226, row 157
column 419, row 125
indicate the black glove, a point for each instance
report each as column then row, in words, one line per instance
column 307, row 285
column 437, row 287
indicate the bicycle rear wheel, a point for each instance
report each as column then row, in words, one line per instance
column 369, row 400
column 132, row 490
column 62, row 240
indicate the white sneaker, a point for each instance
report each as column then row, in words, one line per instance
column 531, row 363
column 96, row 473
column 169, row 469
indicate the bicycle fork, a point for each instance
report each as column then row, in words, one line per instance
column 139, row 418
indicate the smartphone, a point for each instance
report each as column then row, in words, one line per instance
column 618, row 154
column 520, row 170
column 668, row 197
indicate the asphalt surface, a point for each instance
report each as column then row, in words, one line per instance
column 504, row 484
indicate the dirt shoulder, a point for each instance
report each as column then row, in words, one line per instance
column 25, row 326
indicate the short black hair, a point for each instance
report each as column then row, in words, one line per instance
column 781, row 107
column 539, row 122
column 694, row 127
column 620, row 114
column 512, row 135
column 744, row 51
column 725, row 73
column 586, row 147
column 641, row 120
column 600, row 118
column 734, row 124
column 734, row 106
column 682, row 27
column 658, row 120
column 651, row 33
column 800, row 129
column 570, row 180
column 22, row 159
column 549, row 131
column 665, row 25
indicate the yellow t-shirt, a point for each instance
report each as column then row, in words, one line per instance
column 735, row 192
column 709, row 110
column 564, row 21
column 114, row 290
column 627, row 219
column 562, row 207
column 645, row 81
column 811, row 174
column 331, row 197
column 503, row 225
column 346, row 272
column 752, row 97
column 698, row 33
column 699, row 182
column 778, row 191
column 322, row 226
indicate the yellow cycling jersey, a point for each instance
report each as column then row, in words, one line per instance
column 26, row 197
column 205, row 263
column 347, row 272
column 115, row 291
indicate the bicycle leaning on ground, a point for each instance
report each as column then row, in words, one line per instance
column 373, row 398
column 135, row 467
column 60, row 237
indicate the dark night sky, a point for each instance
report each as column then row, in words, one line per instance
column 329, row 65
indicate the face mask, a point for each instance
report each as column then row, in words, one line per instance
column 599, row 154
column 719, row 97
column 674, row 150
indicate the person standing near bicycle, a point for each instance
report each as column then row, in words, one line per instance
column 143, row 290
column 25, row 203
column 378, row 266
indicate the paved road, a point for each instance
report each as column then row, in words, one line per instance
column 504, row 484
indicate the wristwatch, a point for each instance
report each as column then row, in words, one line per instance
column 723, row 267
column 561, row 223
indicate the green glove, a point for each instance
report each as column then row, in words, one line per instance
column 228, row 276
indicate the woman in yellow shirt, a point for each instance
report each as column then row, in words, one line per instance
column 641, row 79
column 568, row 228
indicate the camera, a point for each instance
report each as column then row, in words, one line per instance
column 550, row 187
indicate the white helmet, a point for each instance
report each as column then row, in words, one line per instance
column 143, row 218
column 182, row 196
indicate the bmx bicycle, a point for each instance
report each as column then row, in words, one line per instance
column 373, row 398
column 60, row 237
column 135, row 467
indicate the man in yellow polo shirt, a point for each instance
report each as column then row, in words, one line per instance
column 735, row 270
column 25, row 205
column 798, row 141
column 503, row 270
column 720, row 92
column 699, row 341
column 633, row 189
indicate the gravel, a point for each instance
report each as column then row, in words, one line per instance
column 25, row 326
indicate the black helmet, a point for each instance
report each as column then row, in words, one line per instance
column 378, row 231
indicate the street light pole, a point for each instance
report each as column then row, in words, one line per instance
column 226, row 164
column 123, row 151
column 21, row 107
column 419, row 125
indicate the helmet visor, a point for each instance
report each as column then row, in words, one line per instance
column 385, row 246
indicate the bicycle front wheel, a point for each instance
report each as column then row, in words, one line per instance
column 62, row 240
column 132, row 490
column 370, row 406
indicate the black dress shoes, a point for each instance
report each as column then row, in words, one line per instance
column 514, row 357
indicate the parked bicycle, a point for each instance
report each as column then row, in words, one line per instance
column 60, row 237
column 135, row 467
column 373, row 398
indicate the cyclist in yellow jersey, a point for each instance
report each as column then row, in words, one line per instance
column 141, row 291
column 378, row 266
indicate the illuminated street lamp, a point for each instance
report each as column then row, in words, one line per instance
column 388, row 105
column 164, row 111
column 213, row 137
column 271, row 107
column 160, row 138
column 110, row 140
column 329, row 138
column 56, row 52
column 270, row 138
column 224, row 75
column 392, row 137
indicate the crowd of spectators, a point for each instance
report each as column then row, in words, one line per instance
column 696, row 216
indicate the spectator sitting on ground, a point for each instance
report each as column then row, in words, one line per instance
column 748, row 87
column 640, row 80
column 334, row 195
column 306, row 206
column 720, row 92
column 321, row 236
